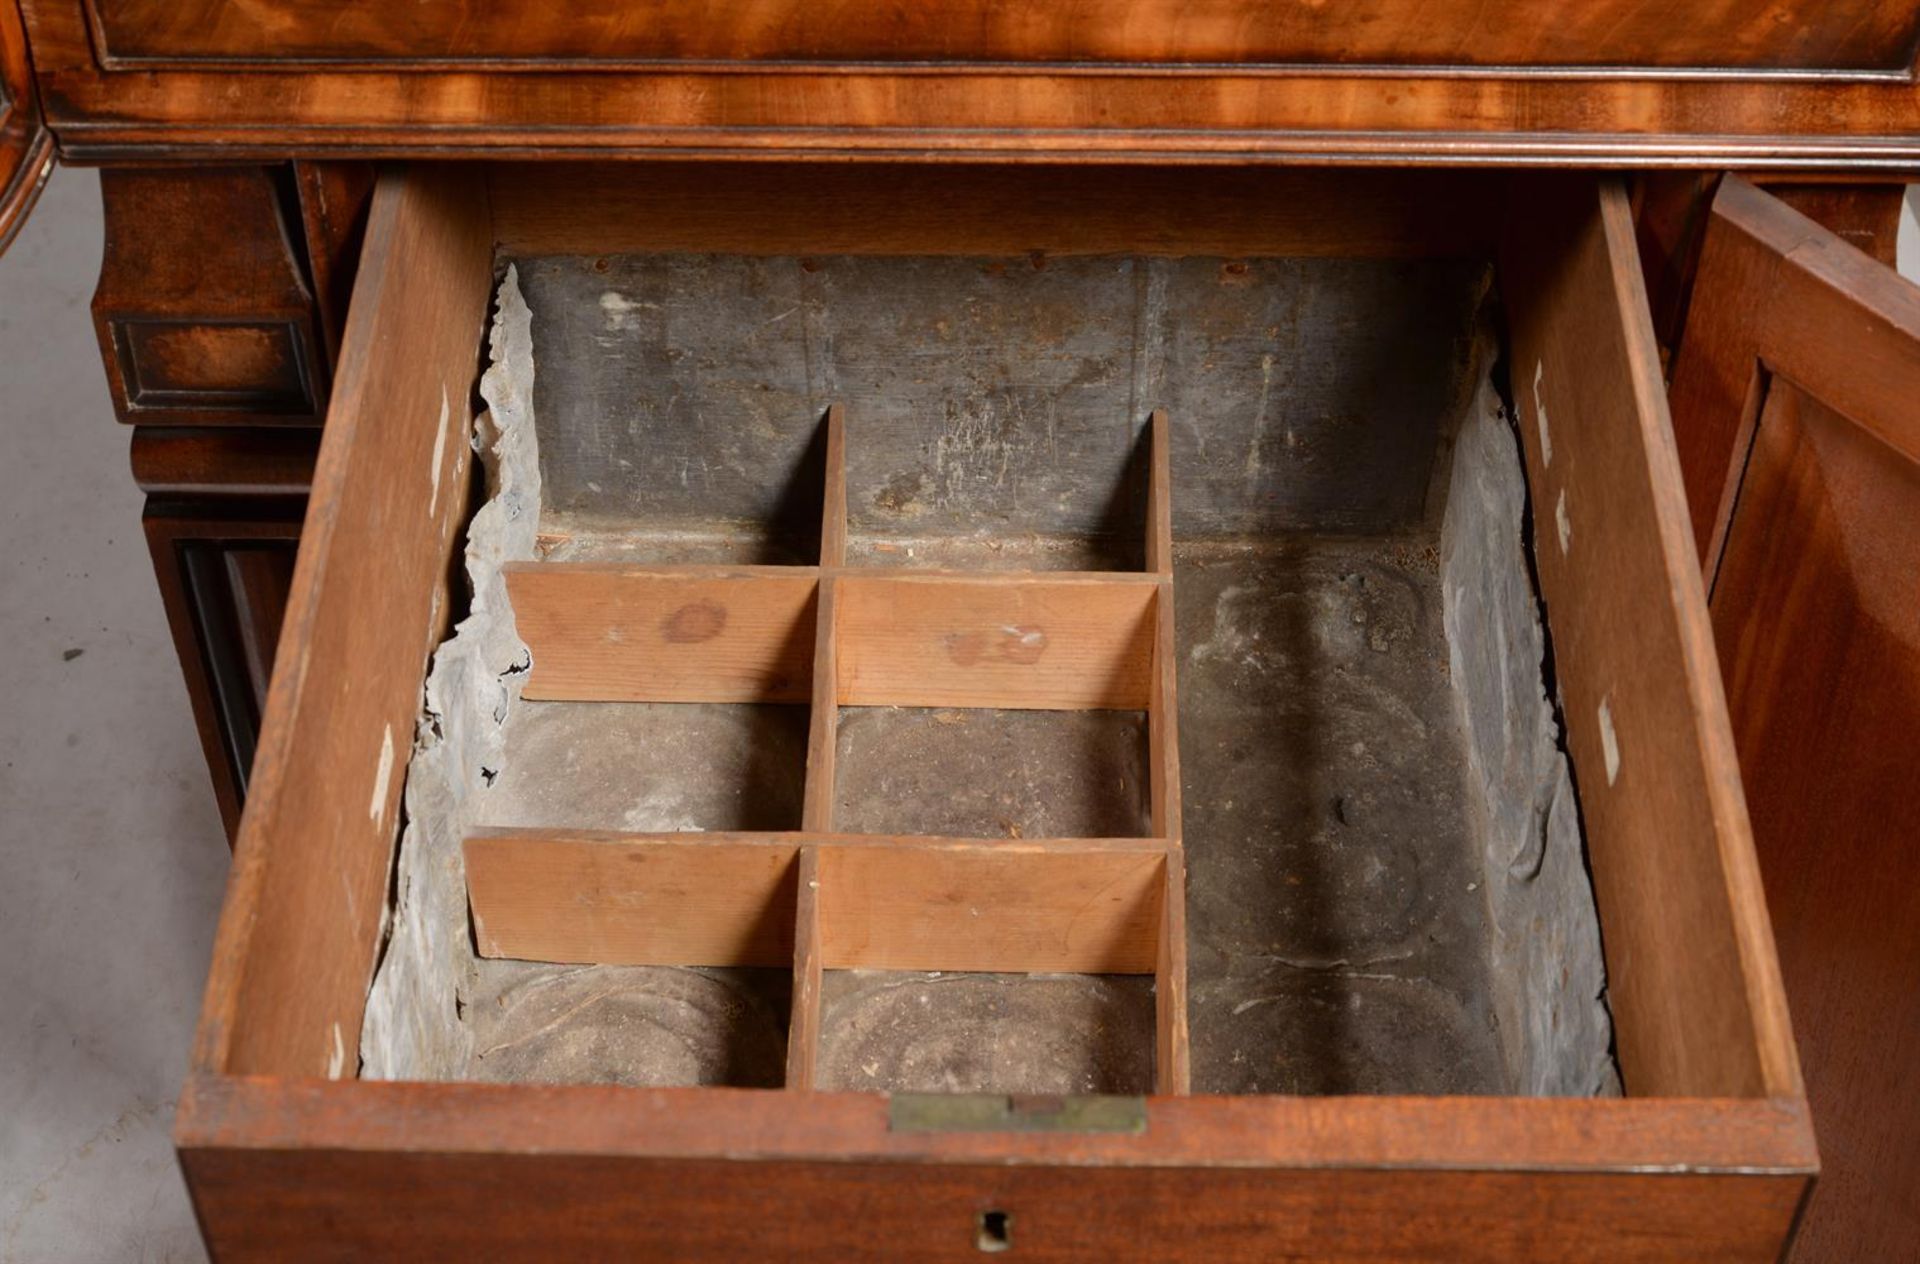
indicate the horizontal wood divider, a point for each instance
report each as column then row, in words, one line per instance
column 883, row 902
column 1053, row 641
column 607, row 632
column 669, row 899
column 991, row 906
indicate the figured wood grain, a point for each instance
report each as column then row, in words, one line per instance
column 1054, row 641
column 1691, row 977
column 1794, row 408
column 1797, row 34
column 611, row 632
column 300, row 927
column 1433, row 119
column 1618, row 116
column 203, row 311
column 708, row 900
column 993, row 906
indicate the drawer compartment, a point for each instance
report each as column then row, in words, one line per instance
column 1001, row 704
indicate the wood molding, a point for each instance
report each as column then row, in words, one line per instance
column 223, row 569
column 202, row 311
column 1319, row 116
column 225, row 461
column 1524, row 115
column 1836, row 37
column 26, row 146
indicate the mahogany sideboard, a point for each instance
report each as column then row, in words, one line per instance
column 302, row 201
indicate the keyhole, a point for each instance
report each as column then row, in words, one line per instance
column 995, row 1231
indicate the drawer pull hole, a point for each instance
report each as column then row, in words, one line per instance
column 995, row 1231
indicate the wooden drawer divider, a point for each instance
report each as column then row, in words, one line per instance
column 834, row 636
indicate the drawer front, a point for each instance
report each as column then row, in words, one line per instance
column 1615, row 83
column 1804, row 35
column 286, row 1152
column 286, row 1170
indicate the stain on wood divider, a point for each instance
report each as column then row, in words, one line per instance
column 834, row 636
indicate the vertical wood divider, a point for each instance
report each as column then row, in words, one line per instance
column 833, row 517
column 803, row 1028
column 816, row 815
column 1171, row 1073
column 1159, row 495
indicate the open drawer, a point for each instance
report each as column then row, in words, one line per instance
column 1153, row 775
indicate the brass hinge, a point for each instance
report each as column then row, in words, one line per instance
column 995, row 1112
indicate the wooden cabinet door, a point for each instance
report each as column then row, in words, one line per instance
column 1796, row 406
column 26, row 147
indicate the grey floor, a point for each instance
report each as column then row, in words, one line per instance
column 111, row 855
column 111, row 852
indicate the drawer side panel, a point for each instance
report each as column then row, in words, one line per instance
column 304, row 908
column 1692, row 977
